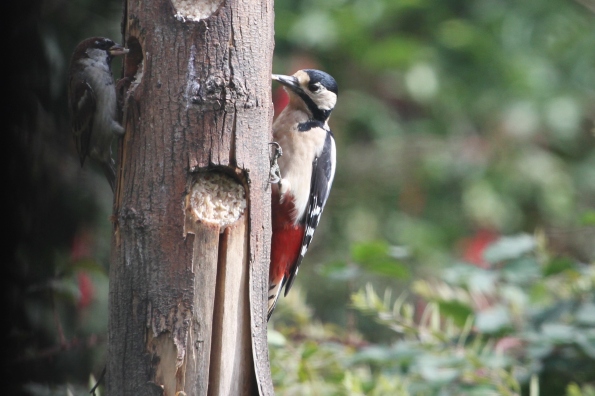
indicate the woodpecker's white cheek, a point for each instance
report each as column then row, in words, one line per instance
column 325, row 100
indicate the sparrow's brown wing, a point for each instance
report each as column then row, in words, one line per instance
column 82, row 106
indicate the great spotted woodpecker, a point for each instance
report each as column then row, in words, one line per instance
column 307, row 168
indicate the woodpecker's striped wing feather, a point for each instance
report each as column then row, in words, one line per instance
column 323, row 173
column 274, row 292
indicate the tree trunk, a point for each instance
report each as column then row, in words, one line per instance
column 190, row 253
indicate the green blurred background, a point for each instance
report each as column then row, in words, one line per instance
column 457, row 123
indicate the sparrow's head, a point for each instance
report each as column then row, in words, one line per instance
column 316, row 89
column 98, row 48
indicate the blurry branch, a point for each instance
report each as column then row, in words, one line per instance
column 589, row 4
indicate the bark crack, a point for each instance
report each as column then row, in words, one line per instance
column 232, row 147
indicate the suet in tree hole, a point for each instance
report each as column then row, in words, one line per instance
column 194, row 10
column 216, row 198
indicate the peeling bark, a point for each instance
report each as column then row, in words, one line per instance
column 187, row 293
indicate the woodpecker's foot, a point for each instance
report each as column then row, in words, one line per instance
column 275, row 173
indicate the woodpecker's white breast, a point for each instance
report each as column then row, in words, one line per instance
column 299, row 150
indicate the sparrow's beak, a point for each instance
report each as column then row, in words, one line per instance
column 117, row 49
column 290, row 82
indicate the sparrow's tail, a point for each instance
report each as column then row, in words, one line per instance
column 109, row 170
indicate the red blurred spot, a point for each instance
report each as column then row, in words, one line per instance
column 81, row 245
column 507, row 344
column 86, row 290
column 280, row 100
column 474, row 247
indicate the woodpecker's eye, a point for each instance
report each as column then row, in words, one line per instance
column 315, row 88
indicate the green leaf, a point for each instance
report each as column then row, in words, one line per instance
column 559, row 333
column 368, row 251
column 438, row 369
column 521, row 270
column 376, row 257
column 507, row 248
column 482, row 281
column 89, row 265
column 310, row 348
column 391, row 268
column 558, row 265
column 395, row 51
column 586, row 341
column 455, row 310
column 65, row 289
column 586, row 314
column 373, row 354
column 573, row 390
column 493, row 320
column 339, row 270
column 276, row 339
column 588, row 218
column 540, row 294
column 460, row 274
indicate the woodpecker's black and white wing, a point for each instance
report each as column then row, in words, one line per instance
column 323, row 173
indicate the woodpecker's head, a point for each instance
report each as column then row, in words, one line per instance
column 313, row 91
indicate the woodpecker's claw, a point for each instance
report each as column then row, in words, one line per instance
column 278, row 151
column 275, row 173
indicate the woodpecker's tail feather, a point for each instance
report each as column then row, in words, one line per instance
column 274, row 293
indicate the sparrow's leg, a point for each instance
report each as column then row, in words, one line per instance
column 117, row 129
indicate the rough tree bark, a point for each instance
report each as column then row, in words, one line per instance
column 190, row 251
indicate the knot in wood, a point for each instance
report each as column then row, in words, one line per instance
column 213, row 87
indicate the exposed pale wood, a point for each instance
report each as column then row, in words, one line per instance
column 206, row 252
column 231, row 342
column 196, row 98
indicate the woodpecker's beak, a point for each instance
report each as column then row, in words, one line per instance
column 117, row 49
column 290, row 82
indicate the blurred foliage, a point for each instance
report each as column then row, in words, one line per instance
column 457, row 123
column 524, row 324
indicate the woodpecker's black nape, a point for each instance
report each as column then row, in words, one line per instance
column 318, row 76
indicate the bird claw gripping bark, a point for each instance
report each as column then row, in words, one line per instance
column 275, row 173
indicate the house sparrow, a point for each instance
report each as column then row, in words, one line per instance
column 92, row 102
